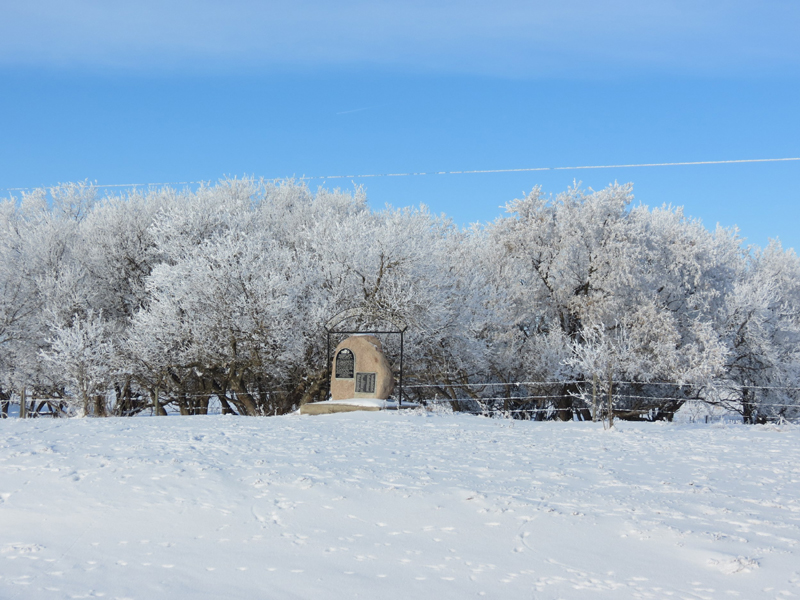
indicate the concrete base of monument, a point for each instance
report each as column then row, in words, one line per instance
column 336, row 406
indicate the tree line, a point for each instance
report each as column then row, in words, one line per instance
column 164, row 298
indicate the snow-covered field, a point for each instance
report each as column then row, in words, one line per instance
column 386, row 505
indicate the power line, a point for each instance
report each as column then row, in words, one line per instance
column 529, row 169
column 474, row 172
column 113, row 185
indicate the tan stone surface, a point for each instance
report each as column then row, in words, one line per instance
column 369, row 358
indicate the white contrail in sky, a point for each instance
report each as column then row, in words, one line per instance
column 527, row 169
column 414, row 174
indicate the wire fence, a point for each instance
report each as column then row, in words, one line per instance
column 584, row 382
column 221, row 403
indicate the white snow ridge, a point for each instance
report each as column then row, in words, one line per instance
column 396, row 505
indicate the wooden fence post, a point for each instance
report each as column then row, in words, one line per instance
column 610, row 399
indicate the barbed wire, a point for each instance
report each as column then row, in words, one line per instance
column 489, row 384
column 601, row 382
column 601, row 405
column 601, row 400
column 500, row 398
column 145, row 401
column 173, row 397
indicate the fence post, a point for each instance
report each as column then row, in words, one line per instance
column 400, row 395
column 594, row 398
column 23, row 404
column 610, row 399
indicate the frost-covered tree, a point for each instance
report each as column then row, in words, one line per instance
column 585, row 269
column 82, row 353
column 18, row 299
column 762, row 331
column 171, row 298
column 39, row 242
column 416, row 269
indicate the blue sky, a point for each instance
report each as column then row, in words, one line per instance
column 131, row 92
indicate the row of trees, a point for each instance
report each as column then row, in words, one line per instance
column 165, row 297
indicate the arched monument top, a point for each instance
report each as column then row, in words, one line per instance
column 349, row 313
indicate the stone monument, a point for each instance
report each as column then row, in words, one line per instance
column 360, row 370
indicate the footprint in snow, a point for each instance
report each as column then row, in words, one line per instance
column 734, row 564
column 21, row 548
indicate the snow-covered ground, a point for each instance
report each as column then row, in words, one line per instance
column 387, row 505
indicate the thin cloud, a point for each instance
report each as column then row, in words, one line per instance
column 517, row 38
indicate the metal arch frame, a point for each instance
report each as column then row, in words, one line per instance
column 330, row 328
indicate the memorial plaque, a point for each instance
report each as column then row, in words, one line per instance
column 345, row 364
column 374, row 378
column 365, row 383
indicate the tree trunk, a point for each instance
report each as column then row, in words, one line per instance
column 245, row 401
column 563, row 403
column 226, row 408
column 184, row 405
column 84, row 401
column 158, row 410
column 539, row 415
column 749, row 409
column 124, row 405
column 99, row 406
column 317, row 387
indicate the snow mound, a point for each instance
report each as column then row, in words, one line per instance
column 371, row 402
